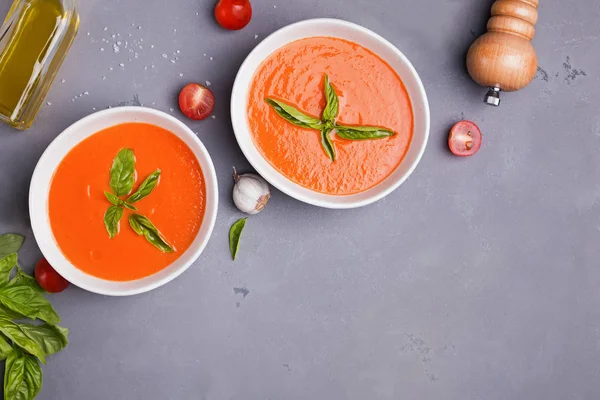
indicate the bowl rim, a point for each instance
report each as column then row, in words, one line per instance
column 41, row 226
column 293, row 189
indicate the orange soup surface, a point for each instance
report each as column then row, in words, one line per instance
column 77, row 203
column 370, row 93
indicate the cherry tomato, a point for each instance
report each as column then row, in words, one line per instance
column 196, row 101
column 464, row 139
column 48, row 278
column 233, row 14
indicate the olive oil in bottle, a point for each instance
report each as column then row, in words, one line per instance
column 34, row 40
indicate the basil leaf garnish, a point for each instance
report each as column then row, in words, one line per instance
column 332, row 108
column 129, row 206
column 146, row 187
column 293, row 115
column 29, row 302
column 122, row 172
column 6, row 266
column 5, row 348
column 10, row 243
column 363, row 132
column 50, row 338
column 327, row 144
column 12, row 331
column 111, row 220
column 22, row 377
column 112, row 198
column 142, row 226
column 234, row 236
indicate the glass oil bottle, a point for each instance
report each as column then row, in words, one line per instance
column 34, row 40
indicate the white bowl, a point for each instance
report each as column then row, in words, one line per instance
column 366, row 38
column 58, row 149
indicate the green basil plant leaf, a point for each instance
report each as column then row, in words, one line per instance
column 142, row 226
column 363, row 132
column 111, row 220
column 50, row 338
column 327, row 144
column 293, row 115
column 12, row 331
column 22, row 377
column 10, row 243
column 146, row 187
column 5, row 348
column 332, row 107
column 234, row 236
column 122, row 172
column 29, row 302
column 6, row 266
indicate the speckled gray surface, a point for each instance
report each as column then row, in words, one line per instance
column 478, row 279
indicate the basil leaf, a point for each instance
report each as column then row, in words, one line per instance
column 50, row 338
column 146, row 187
column 25, row 300
column 137, row 228
column 10, row 243
column 327, row 144
column 12, row 331
column 332, row 108
column 111, row 220
column 22, row 377
column 23, row 278
column 142, row 226
column 112, row 198
column 234, row 236
column 363, row 132
column 6, row 266
column 129, row 206
column 122, row 172
column 5, row 348
column 294, row 115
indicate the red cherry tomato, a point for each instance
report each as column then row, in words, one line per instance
column 48, row 278
column 233, row 14
column 464, row 139
column 196, row 101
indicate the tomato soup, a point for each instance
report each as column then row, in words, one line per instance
column 370, row 93
column 77, row 203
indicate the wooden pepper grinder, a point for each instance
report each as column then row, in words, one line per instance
column 503, row 58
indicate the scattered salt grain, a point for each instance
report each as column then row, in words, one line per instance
column 48, row 103
column 114, row 36
column 152, row 46
column 88, row 34
column 208, row 83
column 174, row 30
column 255, row 36
column 214, row 117
column 274, row 6
column 105, row 28
column 180, row 75
column 171, row 109
column 63, row 80
column 163, row 55
column 103, row 78
column 204, row 54
column 121, row 65
column 86, row 93
column 116, row 48
column 146, row 67
column 140, row 27
column 93, row 108
column 211, row 59
column 172, row 61
column 110, row 69
column 101, row 48
column 177, row 52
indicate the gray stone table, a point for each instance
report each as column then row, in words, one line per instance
column 478, row 279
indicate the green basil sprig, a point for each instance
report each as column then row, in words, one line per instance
column 122, row 172
column 23, row 376
column 145, row 188
column 235, row 232
column 23, row 344
column 143, row 227
column 328, row 123
column 122, row 176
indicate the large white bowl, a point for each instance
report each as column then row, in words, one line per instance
column 40, row 188
column 355, row 33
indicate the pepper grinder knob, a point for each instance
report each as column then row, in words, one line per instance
column 503, row 59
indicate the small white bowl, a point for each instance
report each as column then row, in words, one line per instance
column 58, row 149
column 364, row 37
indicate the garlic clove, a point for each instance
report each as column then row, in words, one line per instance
column 250, row 192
